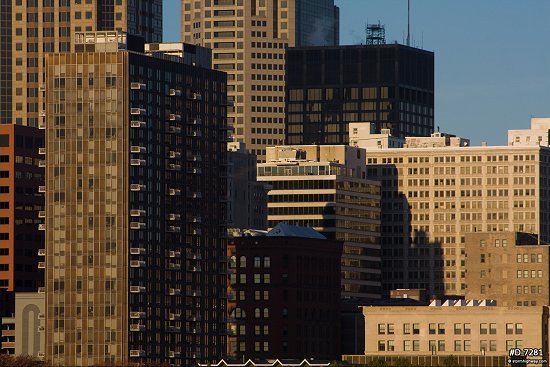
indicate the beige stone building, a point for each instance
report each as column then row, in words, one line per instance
column 248, row 39
column 30, row 29
column 458, row 328
column 325, row 187
column 437, row 189
column 509, row 267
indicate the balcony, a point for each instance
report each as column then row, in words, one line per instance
column 174, row 254
column 134, row 353
column 42, row 163
column 138, row 149
column 41, row 227
column 137, row 315
column 41, row 265
column 174, row 92
column 41, row 151
column 174, row 292
column 194, row 134
column 173, row 216
column 136, row 123
column 42, row 252
column 137, row 162
column 137, row 111
column 42, row 189
column 137, row 187
column 174, row 229
column 195, row 97
column 137, row 225
column 174, row 316
column 173, row 154
column 137, row 327
column 137, row 264
column 137, row 251
column 194, row 171
column 174, row 192
column 174, row 167
column 137, row 212
column 137, row 289
column 137, row 86
column 174, row 129
column 174, row 117
column 174, row 266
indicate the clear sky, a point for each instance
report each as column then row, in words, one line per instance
column 492, row 56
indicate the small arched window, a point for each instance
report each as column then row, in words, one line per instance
column 242, row 262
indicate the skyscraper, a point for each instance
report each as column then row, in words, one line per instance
column 29, row 29
column 390, row 86
column 135, row 212
column 249, row 39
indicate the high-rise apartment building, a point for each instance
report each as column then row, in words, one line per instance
column 390, row 86
column 326, row 188
column 30, row 29
column 284, row 295
column 135, row 217
column 437, row 189
column 508, row 267
column 249, row 39
column 21, row 204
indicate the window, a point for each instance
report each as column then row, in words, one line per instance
column 242, row 278
column 381, row 329
column 390, row 329
column 467, row 345
column 416, row 329
column 431, row 328
column 407, row 345
column 267, row 262
column 242, row 262
column 266, row 313
column 267, row 278
column 467, row 329
column 458, row 346
column 257, row 313
column 441, row 328
column 519, row 328
column 509, row 344
column 416, row 345
column 257, row 261
column 441, row 345
column 406, row 329
column 483, row 345
column 493, row 345
column 483, row 328
column 4, row 140
column 458, row 329
column 381, row 346
column 391, row 346
column 233, row 262
column 492, row 328
column 257, row 278
column 432, row 346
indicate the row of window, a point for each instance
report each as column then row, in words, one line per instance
column 439, row 345
column 459, row 328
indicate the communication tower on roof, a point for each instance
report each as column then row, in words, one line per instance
column 376, row 34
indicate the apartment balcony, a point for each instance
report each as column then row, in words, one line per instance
column 174, row 291
column 137, row 315
column 41, row 227
column 42, row 252
column 174, row 129
column 137, row 123
column 137, row 251
column 195, row 97
column 194, row 171
column 137, row 212
column 42, row 265
column 137, row 111
column 137, row 225
column 137, row 162
column 42, row 163
column 174, row 229
column 173, row 354
column 41, row 151
column 134, row 353
column 174, row 254
column 137, row 264
column 41, row 289
column 174, row 92
column 174, row 167
column 173, row 216
column 193, row 256
column 138, row 149
column 174, row 117
column 137, row 289
column 41, row 189
column 137, row 327
column 194, row 134
column 174, row 192
column 174, row 266
column 137, row 86
column 174, row 316
column 173, row 154
column 137, row 187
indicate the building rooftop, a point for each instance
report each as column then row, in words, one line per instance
column 287, row 230
column 271, row 363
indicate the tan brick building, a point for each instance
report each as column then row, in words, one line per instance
column 509, row 267
column 248, row 39
column 437, row 189
column 459, row 328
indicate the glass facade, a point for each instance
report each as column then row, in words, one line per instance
column 317, row 23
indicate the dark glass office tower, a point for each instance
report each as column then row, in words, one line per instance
column 391, row 86
column 136, row 164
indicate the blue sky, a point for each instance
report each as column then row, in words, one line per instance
column 492, row 56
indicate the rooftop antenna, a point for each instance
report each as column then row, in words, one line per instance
column 376, row 34
column 408, row 22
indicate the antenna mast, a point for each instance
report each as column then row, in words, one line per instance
column 408, row 22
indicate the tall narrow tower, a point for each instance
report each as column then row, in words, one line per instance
column 249, row 39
